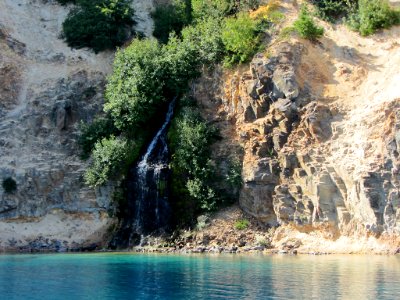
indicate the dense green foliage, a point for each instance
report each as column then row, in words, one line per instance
column 192, row 171
column 100, row 128
column 205, row 38
column 135, row 89
column 146, row 75
column 221, row 8
column 373, row 15
column 365, row 16
column 110, row 157
column 234, row 175
column 171, row 17
column 305, row 25
column 330, row 10
column 242, row 224
column 240, row 37
column 98, row 24
column 65, row 2
column 9, row 185
column 215, row 9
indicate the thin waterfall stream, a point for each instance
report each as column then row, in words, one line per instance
column 149, row 210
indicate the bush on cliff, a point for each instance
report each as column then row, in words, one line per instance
column 330, row 10
column 9, row 185
column 305, row 25
column 100, row 128
column 240, row 38
column 190, row 139
column 171, row 17
column 373, row 15
column 98, row 24
column 215, row 9
column 135, row 89
column 110, row 157
column 218, row 9
column 205, row 37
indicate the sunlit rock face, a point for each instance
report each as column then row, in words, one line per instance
column 320, row 141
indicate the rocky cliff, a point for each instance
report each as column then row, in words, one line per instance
column 318, row 123
column 46, row 90
column 316, row 126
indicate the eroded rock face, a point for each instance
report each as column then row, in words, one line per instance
column 290, row 172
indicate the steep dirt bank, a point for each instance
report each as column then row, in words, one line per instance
column 318, row 123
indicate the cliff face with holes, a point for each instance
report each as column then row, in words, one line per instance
column 46, row 90
column 319, row 126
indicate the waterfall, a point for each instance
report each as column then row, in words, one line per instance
column 149, row 196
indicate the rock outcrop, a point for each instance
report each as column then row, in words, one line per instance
column 318, row 123
column 46, row 90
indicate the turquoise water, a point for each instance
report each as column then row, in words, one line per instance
column 136, row 276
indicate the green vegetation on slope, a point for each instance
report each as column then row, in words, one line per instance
column 364, row 16
column 171, row 17
column 305, row 25
column 240, row 38
column 98, row 24
column 9, row 185
column 146, row 76
column 374, row 15
column 190, row 139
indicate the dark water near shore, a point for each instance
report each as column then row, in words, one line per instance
column 136, row 276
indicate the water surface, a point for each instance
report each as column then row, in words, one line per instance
column 137, row 276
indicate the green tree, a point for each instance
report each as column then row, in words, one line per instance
column 216, row 9
column 330, row 10
column 111, row 156
column 9, row 185
column 240, row 37
column 135, row 90
column 205, row 36
column 98, row 24
column 190, row 139
column 374, row 15
column 101, row 127
column 181, row 63
column 171, row 18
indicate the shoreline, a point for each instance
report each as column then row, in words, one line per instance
column 199, row 251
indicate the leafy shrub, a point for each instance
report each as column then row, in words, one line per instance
column 306, row 27
column 134, row 91
column 181, row 62
column 9, row 185
column 98, row 24
column 215, row 9
column 373, row 15
column 240, row 37
column 170, row 18
column 330, row 10
column 242, row 224
column 111, row 156
column 218, row 9
column 100, row 128
column 245, row 5
column 65, row 2
column 190, row 139
column 205, row 36
column 234, row 176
